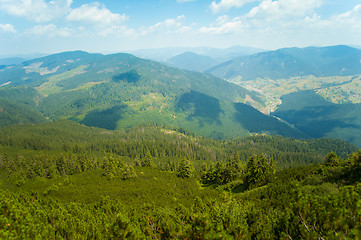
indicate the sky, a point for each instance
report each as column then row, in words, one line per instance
column 105, row 26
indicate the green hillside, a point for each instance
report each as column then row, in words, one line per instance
column 13, row 113
column 119, row 91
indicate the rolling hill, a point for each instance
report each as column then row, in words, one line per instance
column 120, row 91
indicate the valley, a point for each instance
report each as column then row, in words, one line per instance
column 342, row 93
column 332, row 73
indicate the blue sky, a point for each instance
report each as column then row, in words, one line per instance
column 48, row 26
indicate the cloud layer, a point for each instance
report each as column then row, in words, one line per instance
column 221, row 23
column 36, row 10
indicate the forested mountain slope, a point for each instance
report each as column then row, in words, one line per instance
column 64, row 180
column 120, row 91
column 163, row 141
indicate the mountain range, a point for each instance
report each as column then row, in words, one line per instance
column 292, row 62
column 309, row 92
column 139, row 171
column 119, row 91
column 315, row 89
column 219, row 54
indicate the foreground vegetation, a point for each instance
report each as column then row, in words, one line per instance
column 66, row 181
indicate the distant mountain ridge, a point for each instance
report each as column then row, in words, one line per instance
column 11, row 61
column 191, row 61
column 292, row 62
column 219, row 54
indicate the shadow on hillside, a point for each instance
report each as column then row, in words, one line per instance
column 106, row 118
column 320, row 120
column 199, row 106
column 131, row 76
column 255, row 121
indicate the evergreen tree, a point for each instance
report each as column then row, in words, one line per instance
column 148, row 160
column 185, row 168
column 260, row 170
column 127, row 172
column 233, row 169
column 332, row 159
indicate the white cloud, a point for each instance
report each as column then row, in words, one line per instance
column 352, row 18
column 49, row 30
column 36, row 10
column 224, row 25
column 7, row 28
column 281, row 23
column 267, row 16
column 338, row 28
column 96, row 14
column 172, row 24
column 117, row 31
column 225, row 5
column 271, row 10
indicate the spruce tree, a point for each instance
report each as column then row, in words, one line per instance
column 260, row 170
column 185, row 168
